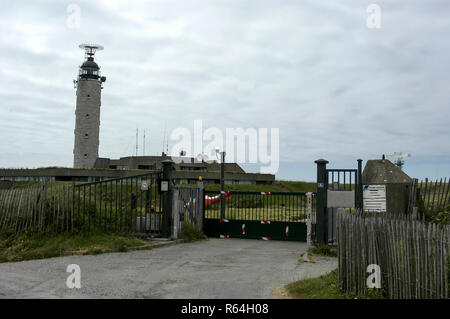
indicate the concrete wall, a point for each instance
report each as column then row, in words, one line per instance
column 87, row 123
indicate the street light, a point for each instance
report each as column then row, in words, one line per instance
column 222, row 181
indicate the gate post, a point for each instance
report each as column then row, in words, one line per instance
column 321, row 204
column 201, row 203
column 359, row 187
column 175, row 216
column 168, row 169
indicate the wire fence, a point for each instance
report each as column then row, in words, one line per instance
column 413, row 256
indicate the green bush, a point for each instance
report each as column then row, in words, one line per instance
column 190, row 233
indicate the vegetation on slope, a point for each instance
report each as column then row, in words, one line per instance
column 26, row 247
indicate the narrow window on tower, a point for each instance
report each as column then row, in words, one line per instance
column 87, row 115
column 86, row 135
column 85, row 155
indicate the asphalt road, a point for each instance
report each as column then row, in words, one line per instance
column 216, row 268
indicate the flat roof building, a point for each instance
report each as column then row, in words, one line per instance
column 187, row 171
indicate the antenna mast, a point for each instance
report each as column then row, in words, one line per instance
column 143, row 145
column 137, row 134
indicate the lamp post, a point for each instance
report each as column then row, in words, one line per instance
column 222, row 182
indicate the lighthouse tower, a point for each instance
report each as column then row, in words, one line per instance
column 87, row 113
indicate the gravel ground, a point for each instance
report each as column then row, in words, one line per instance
column 216, row 268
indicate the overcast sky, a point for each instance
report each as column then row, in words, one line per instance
column 335, row 88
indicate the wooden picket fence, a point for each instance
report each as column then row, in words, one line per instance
column 435, row 195
column 413, row 256
column 38, row 207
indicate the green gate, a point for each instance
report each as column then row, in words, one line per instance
column 260, row 215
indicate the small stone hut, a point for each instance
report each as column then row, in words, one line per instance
column 397, row 182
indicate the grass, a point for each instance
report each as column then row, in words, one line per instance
column 246, row 188
column 27, row 247
column 324, row 250
column 191, row 233
column 299, row 186
column 323, row 287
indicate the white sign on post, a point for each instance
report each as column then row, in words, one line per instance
column 164, row 186
column 374, row 198
column 144, row 185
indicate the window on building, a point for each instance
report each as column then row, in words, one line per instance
column 146, row 166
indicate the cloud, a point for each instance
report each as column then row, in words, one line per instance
column 335, row 88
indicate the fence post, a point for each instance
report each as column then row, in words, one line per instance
column 175, row 227
column 167, row 217
column 321, row 204
column 72, row 206
column 359, row 187
column 201, row 203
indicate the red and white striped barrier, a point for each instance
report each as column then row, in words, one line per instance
column 287, row 231
column 243, row 229
column 224, row 220
column 224, row 236
column 267, row 222
column 265, row 193
column 265, row 238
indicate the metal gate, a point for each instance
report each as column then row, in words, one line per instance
column 338, row 191
column 128, row 205
column 260, row 215
column 187, row 208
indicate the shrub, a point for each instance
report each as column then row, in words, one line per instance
column 190, row 232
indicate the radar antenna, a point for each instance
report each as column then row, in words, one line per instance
column 399, row 158
column 90, row 49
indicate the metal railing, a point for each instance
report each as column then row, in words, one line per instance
column 273, row 206
column 129, row 204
